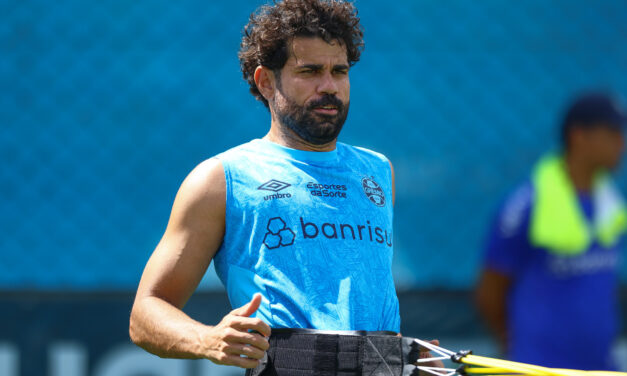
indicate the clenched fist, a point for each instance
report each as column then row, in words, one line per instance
column 231, row 342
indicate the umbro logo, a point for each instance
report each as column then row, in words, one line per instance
column 273, row 185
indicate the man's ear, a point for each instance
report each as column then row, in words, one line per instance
column 265, row 81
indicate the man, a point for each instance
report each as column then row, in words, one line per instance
column 299, row 225
column 548, row 290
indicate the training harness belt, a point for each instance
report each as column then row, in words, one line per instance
column 307, row 352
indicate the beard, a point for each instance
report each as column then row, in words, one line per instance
column 313, row 128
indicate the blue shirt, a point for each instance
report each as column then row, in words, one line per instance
column 562, row 310
column 311, row 232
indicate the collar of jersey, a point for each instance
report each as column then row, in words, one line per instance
column 312, row 157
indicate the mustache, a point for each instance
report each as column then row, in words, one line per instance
column 326, row 100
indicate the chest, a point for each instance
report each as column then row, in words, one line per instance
column 311, row 189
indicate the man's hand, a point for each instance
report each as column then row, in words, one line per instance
column 231, row 343
column 425, row 353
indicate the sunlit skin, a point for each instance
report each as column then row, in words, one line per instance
column 314, row 68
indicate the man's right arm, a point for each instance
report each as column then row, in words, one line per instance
column 506, row 255
column 193, row 236
column 491, row 301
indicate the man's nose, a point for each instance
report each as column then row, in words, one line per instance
column 328, row 84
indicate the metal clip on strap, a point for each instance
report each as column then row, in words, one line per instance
column 457, row 358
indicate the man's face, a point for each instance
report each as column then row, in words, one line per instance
column 312, row 93
column 605, row 145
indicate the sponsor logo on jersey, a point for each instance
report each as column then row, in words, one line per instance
column 327, row 190
column 274, row 186
column 280, row 235
column 373, row 191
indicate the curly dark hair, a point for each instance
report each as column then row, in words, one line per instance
column 272, row 27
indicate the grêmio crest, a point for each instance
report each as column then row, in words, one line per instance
column 373, row 190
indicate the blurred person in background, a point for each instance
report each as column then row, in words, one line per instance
column 299, row 225
column 548, row 290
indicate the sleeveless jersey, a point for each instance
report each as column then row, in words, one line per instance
column 311, row 232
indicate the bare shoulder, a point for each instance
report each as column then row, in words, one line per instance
column 206, row 178
column 204, row 188
column 391, row 168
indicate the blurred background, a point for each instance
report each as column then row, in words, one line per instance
column 106, row 106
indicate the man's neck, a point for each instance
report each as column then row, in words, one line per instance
column 286, row 137
column 580, row 171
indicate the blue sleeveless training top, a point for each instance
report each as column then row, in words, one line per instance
column 311, row 232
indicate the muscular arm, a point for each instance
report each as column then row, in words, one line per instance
column 193, row 235
column 491, row 301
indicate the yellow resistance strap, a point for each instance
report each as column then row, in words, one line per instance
column 490, row 366
column 480, row 365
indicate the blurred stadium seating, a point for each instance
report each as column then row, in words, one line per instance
column 107, row 105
